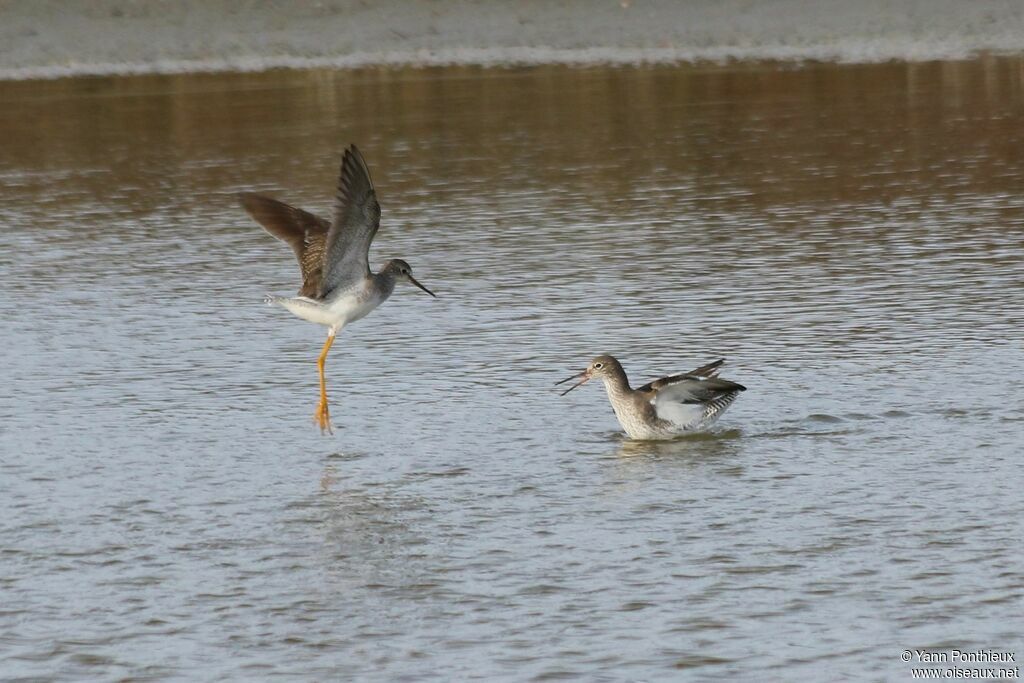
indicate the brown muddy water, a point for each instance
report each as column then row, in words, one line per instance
column 849, row 237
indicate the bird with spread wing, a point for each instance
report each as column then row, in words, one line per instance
column 338, row 286
column 667, row 407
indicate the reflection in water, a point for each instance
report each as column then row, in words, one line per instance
column 700, row 444
column 848, row 237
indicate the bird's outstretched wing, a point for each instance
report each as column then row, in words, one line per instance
column 305, row 233
column 705, row 371
column 356, row 219
column 692, row 398
column 695, row 390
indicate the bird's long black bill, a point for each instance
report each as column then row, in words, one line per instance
column 584, row 375
column 416, row 282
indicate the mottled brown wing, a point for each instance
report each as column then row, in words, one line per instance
column 356, row 219
column 305, row 233
column 705, row 371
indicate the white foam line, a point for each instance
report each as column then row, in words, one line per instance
column 498, row 57
column 55, row 38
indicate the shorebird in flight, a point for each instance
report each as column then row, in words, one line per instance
column 337, row 285
column 666, row 407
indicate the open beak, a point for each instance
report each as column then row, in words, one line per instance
column 416, row 282
column 585, row 378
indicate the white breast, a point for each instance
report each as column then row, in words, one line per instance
column 358, row 302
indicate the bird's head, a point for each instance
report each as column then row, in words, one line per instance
column 401, row 270
column 602, row 367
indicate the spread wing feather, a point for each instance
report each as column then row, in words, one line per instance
column 695, row 390
column 356, row 219
column 305, row 233
column 693, row 397
column 706, row 371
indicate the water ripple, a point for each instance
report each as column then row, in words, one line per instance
column 169, row 511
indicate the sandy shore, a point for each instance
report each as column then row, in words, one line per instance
column 48, row 38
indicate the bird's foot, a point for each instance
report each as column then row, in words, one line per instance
column 322, row 418
column 269, row 299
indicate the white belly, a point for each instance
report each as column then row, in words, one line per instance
column 336, row 312
column 674, row 420
column 352, row 307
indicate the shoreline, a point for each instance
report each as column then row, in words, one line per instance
column 47, row 39
column 505, row 59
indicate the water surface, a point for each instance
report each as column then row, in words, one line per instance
column 849, row 237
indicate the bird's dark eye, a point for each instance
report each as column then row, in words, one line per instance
column 598, row 366
column 404, row 271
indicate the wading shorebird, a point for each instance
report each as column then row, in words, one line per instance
column 666, row 407
column 337, row 285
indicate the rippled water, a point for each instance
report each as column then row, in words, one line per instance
column 850, row 238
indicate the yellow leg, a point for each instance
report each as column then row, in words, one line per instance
column 322, row 416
